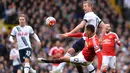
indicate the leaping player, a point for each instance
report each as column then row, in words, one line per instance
column 86, row 56
column 90, row 18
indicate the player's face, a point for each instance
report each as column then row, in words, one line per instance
column 88, row 32
column 108, row 28
column 85, row 7
column 57, row 43
column 22, row 21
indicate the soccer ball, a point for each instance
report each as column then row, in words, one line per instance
column 50, row 21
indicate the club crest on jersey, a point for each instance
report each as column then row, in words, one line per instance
column 110, row 36
column 22, row 33
column 96, row 47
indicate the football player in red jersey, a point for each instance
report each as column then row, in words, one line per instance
column 109, row 42
column 89, row 18
column 86, row 56
column 56, row 52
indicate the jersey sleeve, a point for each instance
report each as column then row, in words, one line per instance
column 98, row 52
column 99, row 55
column 31, row 30
column 98, row 20
column 96, row 45
column 86, row 17
column 13, row 32
column 76, row 35
column 117, row 40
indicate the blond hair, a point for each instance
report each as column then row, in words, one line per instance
column 90, row 3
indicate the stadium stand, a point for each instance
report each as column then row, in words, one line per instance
column 68, row 14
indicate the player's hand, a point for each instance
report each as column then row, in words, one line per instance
column 64, row 35
column 98, row 71
column 39, row 44
column 116, row 40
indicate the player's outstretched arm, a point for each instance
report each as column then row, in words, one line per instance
column 81, row 25
column 99, row 55
column 77, row 35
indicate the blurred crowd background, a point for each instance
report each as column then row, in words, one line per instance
column 68, row 14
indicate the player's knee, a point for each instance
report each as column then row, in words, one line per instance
column 19, row 71
column 104, row 68
column 26, row 60
column 113, row 70
column 65, row 59
column 71, row 51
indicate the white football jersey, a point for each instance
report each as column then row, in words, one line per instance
column 15, row 53
column 92, row 19
column 22, row 35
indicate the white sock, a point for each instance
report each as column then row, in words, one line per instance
column 90, row 68
column 61, row 65
column 32, row 70
column 67, row 54
column 26, row 68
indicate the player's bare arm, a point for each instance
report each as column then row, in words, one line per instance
column 78, row 27
column 13, row 41
column 77, row 35
column 103, row 30
column 37, row 39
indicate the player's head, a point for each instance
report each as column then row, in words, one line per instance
column 58, row 43
column 22, row 19
column 90, row 30
column 87, row 6
column 108, row 28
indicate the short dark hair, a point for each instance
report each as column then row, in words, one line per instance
column 90, row 27
column 22, row 15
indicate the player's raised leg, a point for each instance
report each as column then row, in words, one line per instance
column 77, row 46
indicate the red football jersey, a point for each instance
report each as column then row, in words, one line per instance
column 108, row 44
column 91, row 48
column 56, row 52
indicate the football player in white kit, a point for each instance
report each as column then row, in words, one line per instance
column 89, row 18
column 22, row 33
column 14, row 55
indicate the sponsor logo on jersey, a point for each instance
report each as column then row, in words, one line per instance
column 22, row 33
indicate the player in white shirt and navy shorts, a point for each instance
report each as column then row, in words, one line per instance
column 22, row 34
column 14, row 55
column 89, row 18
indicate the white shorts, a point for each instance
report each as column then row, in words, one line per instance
column 109, row 61
column 79, row 59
